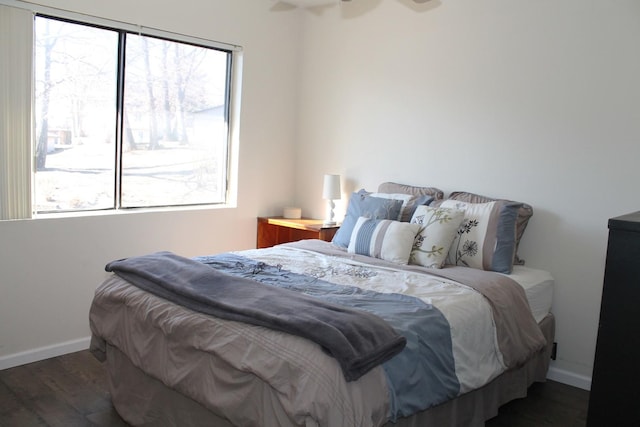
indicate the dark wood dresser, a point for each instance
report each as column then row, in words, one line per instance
column 615, row 387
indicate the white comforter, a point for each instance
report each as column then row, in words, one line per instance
column 477, row 357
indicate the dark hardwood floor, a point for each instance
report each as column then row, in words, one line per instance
column 71, row 390
column 547, row 404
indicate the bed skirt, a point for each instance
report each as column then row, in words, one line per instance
column 144, row 401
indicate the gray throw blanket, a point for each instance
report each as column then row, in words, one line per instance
column 358, row 340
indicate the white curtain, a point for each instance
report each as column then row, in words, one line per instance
column 16, row 57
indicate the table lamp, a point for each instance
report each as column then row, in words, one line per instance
column 331, row 192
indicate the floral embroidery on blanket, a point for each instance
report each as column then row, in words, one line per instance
column 359, row 272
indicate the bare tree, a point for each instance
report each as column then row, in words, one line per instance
column 187, row 60
column 169, row 133
column 49, row 42
column 154, row 138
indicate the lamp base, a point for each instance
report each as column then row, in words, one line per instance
column 329, row 221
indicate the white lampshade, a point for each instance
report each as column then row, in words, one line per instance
column 331, row 187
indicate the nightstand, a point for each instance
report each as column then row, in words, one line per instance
column 276, row 230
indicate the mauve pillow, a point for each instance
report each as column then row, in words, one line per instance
column 394, row 187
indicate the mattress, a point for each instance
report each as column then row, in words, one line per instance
column 538, row 288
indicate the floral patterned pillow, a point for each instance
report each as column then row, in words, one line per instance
column 438, row 228
column 525, row 211
column 486, row 238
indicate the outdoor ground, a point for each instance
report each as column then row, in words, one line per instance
column 82, row 177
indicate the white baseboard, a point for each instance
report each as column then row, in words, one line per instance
column 42, row 353
column 569, row 378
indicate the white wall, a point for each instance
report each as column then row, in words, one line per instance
column 533, row 101
column 49, row 268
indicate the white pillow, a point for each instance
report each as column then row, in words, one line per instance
column 486, row 238
column 438, row 228
column 383, row 238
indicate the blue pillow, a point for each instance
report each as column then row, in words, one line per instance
column 410, row 209
column 409, row 203
column 362, row 204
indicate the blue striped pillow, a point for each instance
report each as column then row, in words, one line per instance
column 383, row 238
column 362, row 204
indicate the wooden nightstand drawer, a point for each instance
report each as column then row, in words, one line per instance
column 277, row 230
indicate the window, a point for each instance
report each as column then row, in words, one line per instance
column 104, row 115
column 125, row 119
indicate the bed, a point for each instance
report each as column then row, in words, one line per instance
column 462, row 340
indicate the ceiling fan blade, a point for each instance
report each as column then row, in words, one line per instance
column 310, row 3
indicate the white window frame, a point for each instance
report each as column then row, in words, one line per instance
column 17, row 103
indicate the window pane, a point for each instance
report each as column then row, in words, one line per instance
column 75, row 74
column 175, row 128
